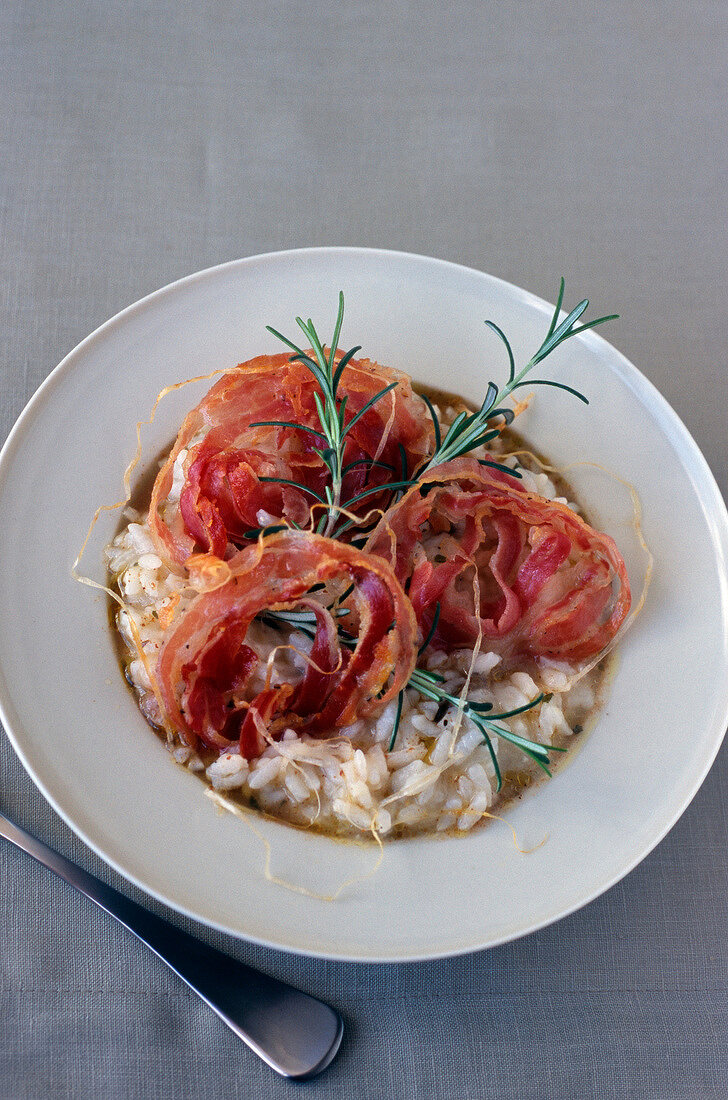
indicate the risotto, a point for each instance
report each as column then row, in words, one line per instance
column 382, row 622
column 439, row 777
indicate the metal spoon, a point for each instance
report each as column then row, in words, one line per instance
column 297, row 1035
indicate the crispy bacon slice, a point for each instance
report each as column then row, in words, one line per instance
column 205, row 666
column 548, row 584
column 223, row 491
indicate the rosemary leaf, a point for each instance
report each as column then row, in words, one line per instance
column 431, row 631
column 287, row 424
column 397, row 720
column 367, row 407
column 342, row 364
column 435, row 421
column 295, row 484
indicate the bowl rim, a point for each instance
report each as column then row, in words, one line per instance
column 646, row 392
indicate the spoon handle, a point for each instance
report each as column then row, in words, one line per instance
column 297, row 1035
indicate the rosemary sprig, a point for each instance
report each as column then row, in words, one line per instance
column 429, row 684
column 303, row 621
column 469, row 431
column 331, row 412
column 481, row 714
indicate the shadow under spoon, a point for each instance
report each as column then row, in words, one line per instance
column 297, row 1035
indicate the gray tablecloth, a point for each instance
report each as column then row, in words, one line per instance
column 140, row 142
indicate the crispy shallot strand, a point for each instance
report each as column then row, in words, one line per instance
column 520, row 406
column 280, row 748
column 136, row 637
column 270, row 660
column 246, row 815
column 258, row 722
column 147, row 423
column 74, row 568
column 476, row 650
column 637, row 525
column 421, row 783
column 360, row 521
column 392, row 540
column 129, row 471
column 218, row 570
column 96, row 584
column 387, row 428
column 497, row 817
column 116, row 596
column 260, row 547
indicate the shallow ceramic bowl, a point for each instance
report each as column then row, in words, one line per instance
column 76, row 727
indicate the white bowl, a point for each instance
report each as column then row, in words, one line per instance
column 76, row 726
